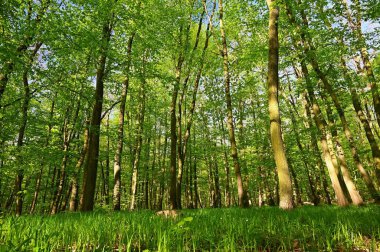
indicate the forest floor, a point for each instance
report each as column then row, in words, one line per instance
column 308, row 228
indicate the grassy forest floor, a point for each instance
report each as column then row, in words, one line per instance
column 325, row 228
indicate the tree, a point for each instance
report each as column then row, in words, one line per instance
column 285, row 184
column 91, row 164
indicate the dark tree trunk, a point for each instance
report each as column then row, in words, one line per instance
column 91, row 164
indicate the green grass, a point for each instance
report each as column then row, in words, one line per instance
column 255, row 229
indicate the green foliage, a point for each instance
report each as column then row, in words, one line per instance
column 306, row 228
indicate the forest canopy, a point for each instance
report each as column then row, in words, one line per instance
column 162, row 104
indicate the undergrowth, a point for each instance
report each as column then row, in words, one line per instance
column 255, row 229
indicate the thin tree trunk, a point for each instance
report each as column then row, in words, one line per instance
column 226, row 167
column 21, row 132
column 372, row 142
column 319, row 121
column 107, row 169
column 314, row 196
column 163, row 172
column 182, row 147
column 357, row 30
column 173, row 136
column 314, row 143
column 120, row 132
column 68, row 135
column 73, row 205
column 140, row 130
column 329, row 89
column 242, row 194
column 218, row 194
column 62, row 176
column 20, row 143
column 146, row 175
column 39, row 178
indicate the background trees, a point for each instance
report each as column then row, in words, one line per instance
column 153, row 89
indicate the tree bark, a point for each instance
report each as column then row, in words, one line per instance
column 20, row 143
column 91, row 164
column 182, row 150
column 73, row 204
column 357, row 30
column 285, row 183
column 120, row 132
column 139, row 138
column 242, row 194
column 373, row 144
column 39, row 178
column 318, row 117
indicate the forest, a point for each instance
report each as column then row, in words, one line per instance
column 178, row 125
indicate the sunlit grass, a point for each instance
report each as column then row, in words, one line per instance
column 256, row 229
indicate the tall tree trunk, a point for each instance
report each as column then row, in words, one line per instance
column 73, row 204
column 242, row 194
column 62, row 176
column 373, row 144
column 91, row 164
column 328, row 87
column 173, row 135
column 107, row 169
column 314, row 143
column 21, row 132
column 318, row 117
column 183, row 148
column 146, row 175
column 120, row 132
column 285, row 183
column 139, row 137
column 218, row 194
column 226, row 166
column 162, row 172
column 313, row 193
column 344, row 174
column 39, row 178
column 20, row 143
column 357, row 30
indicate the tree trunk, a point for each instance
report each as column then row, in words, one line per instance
column 91, row 164
column 20, row 143
column 39, row 178
column 73, row 204
column 329, row 89
column 226, row 167
column 120, row 132
column 218, row 194
column 242, row 194
column 140, row 130
column 357, row 30
column 285, row 183
column 372, row 142
column 62, row 176
column 314, row 195
column 173, row 136
column 318, row 117
column 146, row 175
column 314, row 143
column 162, row 173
